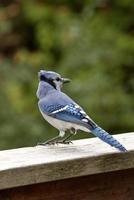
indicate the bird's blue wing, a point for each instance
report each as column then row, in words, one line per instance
column 69, row 112
column 48, row 109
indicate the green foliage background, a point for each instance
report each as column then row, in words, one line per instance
column 89, row 41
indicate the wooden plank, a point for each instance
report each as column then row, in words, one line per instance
column 39, row 164
column 118, row 185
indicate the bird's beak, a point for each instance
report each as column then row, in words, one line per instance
column 65, row 80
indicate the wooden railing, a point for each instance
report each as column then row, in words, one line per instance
column 88, row 169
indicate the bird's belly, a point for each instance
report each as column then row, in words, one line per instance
column 63, row 125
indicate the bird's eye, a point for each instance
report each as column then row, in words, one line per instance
column 58, row 79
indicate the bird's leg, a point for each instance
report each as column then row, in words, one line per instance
column 50, row 141
column 54, row 140
column 61, row 134
column 65, row 140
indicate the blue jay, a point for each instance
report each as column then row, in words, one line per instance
column 63, row 113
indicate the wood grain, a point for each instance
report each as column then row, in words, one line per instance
column 118, row 185
column 40, row 164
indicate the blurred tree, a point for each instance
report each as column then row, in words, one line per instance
column 89, row 41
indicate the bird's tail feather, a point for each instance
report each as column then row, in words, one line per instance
column 106, row 137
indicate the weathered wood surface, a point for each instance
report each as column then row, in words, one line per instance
column 117, row 185
column 40, row 164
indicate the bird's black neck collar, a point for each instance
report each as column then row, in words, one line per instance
column 49, row 81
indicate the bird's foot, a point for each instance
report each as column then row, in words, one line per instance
column 46, row 143
column 64, row 142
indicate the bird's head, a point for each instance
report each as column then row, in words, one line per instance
column 52, row 78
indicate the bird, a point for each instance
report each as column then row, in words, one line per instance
column 65, row 114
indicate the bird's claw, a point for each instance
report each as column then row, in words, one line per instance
column 64, row 142
column 54, row 142
column 46, row 143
